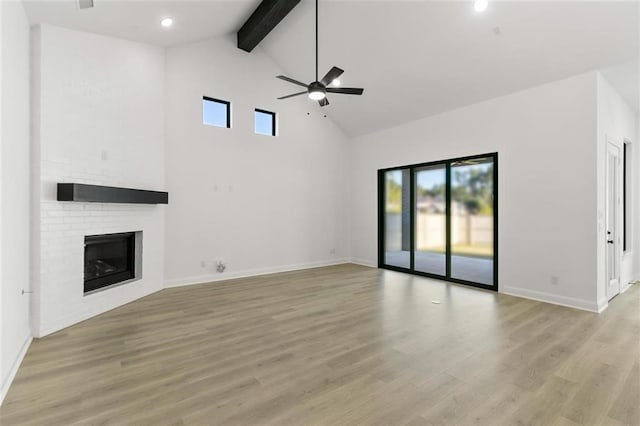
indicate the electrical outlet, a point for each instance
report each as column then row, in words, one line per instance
column 332, row 251
column 203, row 263
column 554, row 280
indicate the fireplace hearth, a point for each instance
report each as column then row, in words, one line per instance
column 109, row 259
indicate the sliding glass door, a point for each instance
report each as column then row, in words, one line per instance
column 397, row 218
column 472, row 220
column 440, row 219
column 430, row 218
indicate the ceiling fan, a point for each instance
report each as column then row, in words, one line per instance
column 317, row 90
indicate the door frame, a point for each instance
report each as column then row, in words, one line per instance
column 381, row 219
column 610, row 292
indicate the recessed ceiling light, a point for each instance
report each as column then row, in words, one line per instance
column 480, row 5
column 166, row 22
column 336, row 82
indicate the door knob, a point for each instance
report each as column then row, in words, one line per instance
column 610, row 241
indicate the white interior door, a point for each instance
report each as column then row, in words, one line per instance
column 612, row 224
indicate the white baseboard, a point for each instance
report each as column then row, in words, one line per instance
column 14, row 368
column 114, row 301
column 602, row 305
column 628, row 285
column 570, row 302
column 203, row 279
column 364, row 262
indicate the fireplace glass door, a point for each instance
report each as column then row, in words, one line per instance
column 108, row 259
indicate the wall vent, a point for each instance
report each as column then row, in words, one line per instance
column 85, row 4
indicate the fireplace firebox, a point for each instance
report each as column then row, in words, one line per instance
column 108, row 259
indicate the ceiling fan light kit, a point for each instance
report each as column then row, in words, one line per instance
column 317, row 90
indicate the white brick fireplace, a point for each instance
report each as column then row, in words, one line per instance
column 96, row 123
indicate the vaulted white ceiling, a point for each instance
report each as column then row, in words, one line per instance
column 139, row 20
column 414, row 58
column 421, row 58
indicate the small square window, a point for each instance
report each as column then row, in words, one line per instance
column 265, row 122
column 216, row 112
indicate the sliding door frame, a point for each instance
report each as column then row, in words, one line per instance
column 412, row 212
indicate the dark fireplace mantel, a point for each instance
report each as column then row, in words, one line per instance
column 109, row 194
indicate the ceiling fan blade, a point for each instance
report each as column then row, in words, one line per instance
column 345, row 90
column 323, row 102
column 291, row 96
column 290, row 80
column 333, row 73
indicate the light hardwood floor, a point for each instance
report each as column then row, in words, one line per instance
column 336, row 346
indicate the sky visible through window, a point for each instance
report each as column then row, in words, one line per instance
column 214, row 113
column 436, row 176
column 431, row 178
column 264, row 123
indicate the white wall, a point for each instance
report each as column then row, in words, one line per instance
column 617, row 125
column 545, row 139
column 3, row 391
column 258, row 203
column 100, row 113
column 15, row 184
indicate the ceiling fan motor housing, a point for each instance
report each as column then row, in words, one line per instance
column 316, row 86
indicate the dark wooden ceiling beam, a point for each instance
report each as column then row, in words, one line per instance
column 266, row 17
